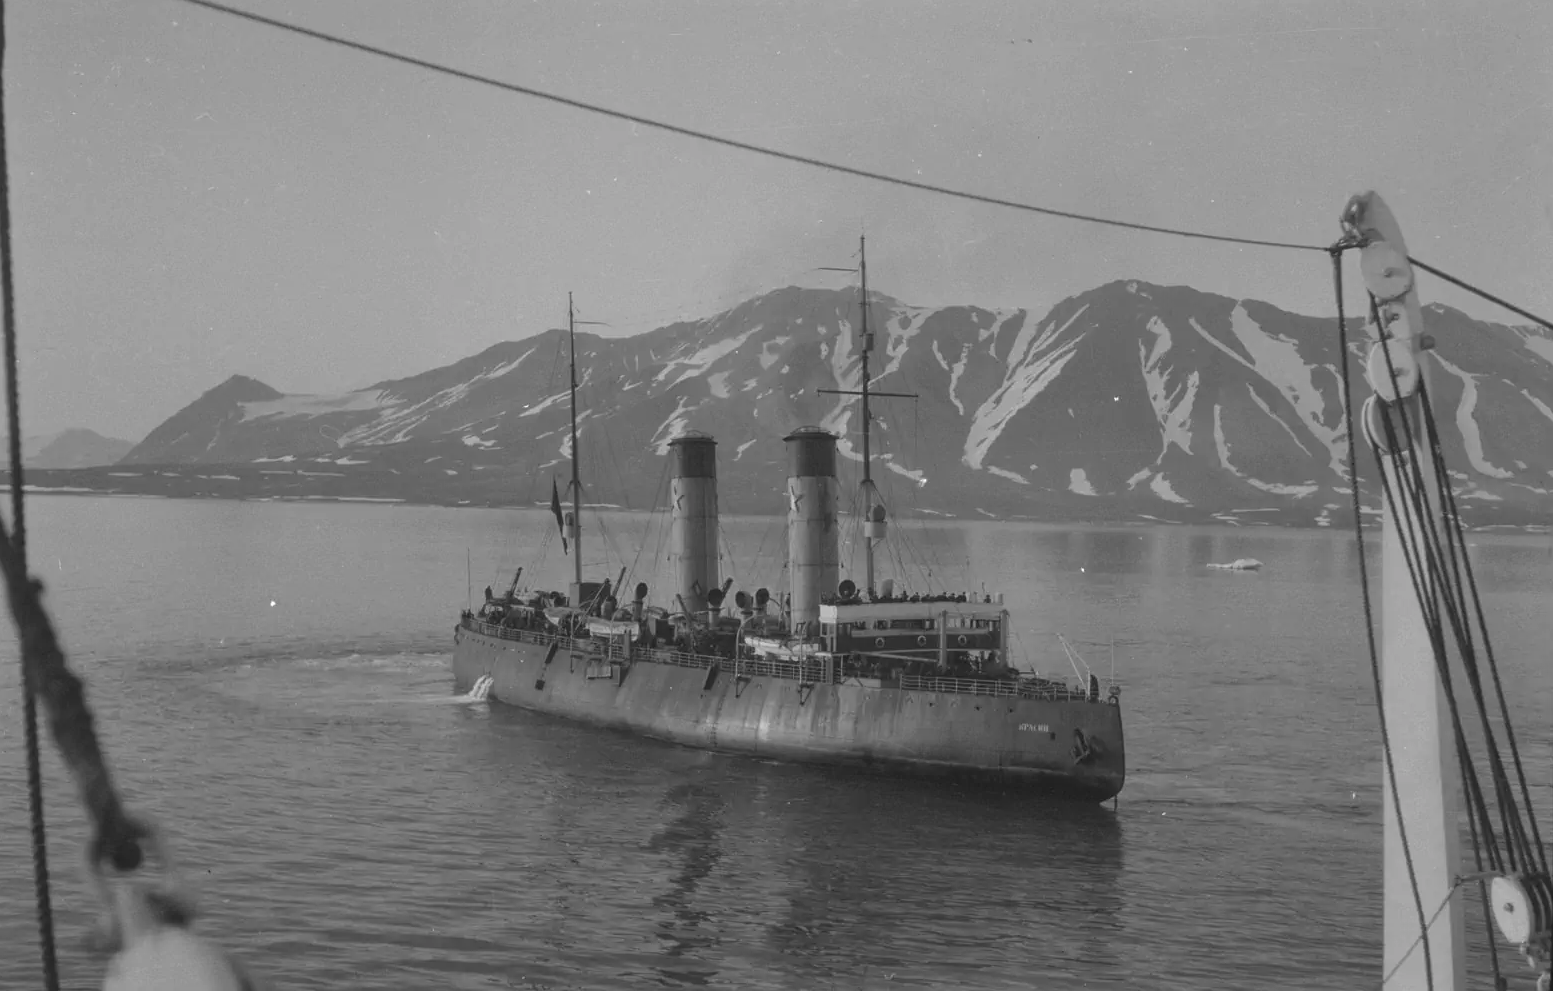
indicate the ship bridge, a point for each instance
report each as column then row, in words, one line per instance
column 910, row 627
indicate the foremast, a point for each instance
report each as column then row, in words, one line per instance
column 874, row 511
column 573, row 528
column 1420, row 778
column 576, row 484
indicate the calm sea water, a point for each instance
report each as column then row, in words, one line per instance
column 271, row 683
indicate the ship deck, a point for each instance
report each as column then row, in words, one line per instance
column 816, row 669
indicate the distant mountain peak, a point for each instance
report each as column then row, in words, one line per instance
column 244, row 389
column 76, row 447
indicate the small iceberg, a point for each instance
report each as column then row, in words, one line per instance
column 1239, row 564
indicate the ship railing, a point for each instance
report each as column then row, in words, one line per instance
column 535, row 637
column 1046, row 691
column 803, row 670
column 806, row 671
column 678, row 658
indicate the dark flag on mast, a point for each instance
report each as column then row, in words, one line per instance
column 555, row 507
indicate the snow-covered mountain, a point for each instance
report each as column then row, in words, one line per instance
column 1130, row 400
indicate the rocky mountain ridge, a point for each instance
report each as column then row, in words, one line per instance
column 1129, row 401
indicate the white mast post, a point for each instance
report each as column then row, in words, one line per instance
column 1412, row 697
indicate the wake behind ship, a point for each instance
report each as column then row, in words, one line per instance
column 825, row 672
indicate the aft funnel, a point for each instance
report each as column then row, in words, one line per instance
column 813, row 545
column 693, row 496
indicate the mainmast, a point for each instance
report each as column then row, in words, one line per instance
column 869, row 492
column 873, row 525
column 576, row 528
column 1412, row 696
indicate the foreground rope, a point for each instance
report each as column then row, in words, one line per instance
column 40, row 851
column 116, row 837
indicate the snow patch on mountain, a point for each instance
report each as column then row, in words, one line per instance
column 1471, row 436
column 397, row 424
column 718, row 384
column 942, row 363
column 954, row 376
column 311, row 406
column 838, row 421
column 1157, row 484
column 1536, row 343
column 391, row 428
column 915, row 474
column 739, row 452
column 1172, row 406
column 1162, row 489
column 1221, row 444
column 1005, row 473
column 1037, row 369
column 847, row 373
column 1078, row 483
column 1277, row 488
column 769, row 357
column 1277, row 359
column 473, row 440
column 993, row 329
column 842, row 358
column 544, row 404
column 670, row 429
column 698, row 363
column 1023, row 337
column 501, row 370
column 1262, row 404
column 899, row 339
column 1539, row 404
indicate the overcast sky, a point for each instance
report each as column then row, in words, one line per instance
column 196, row 196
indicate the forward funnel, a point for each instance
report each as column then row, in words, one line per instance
column 813, row 545
column 693, row 496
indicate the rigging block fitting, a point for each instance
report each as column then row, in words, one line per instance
column 1386, row 271
column 1392, row 369
column 1523, row 912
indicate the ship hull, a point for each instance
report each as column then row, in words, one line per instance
column 1013, row 742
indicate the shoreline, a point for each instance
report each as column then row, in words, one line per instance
column 1119, row 519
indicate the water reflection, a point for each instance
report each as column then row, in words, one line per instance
column 691, row 839
column 912, row 883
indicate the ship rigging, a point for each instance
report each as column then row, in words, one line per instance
column 874, row 512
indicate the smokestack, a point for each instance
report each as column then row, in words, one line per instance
column 813, row 546
column 693, row 497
